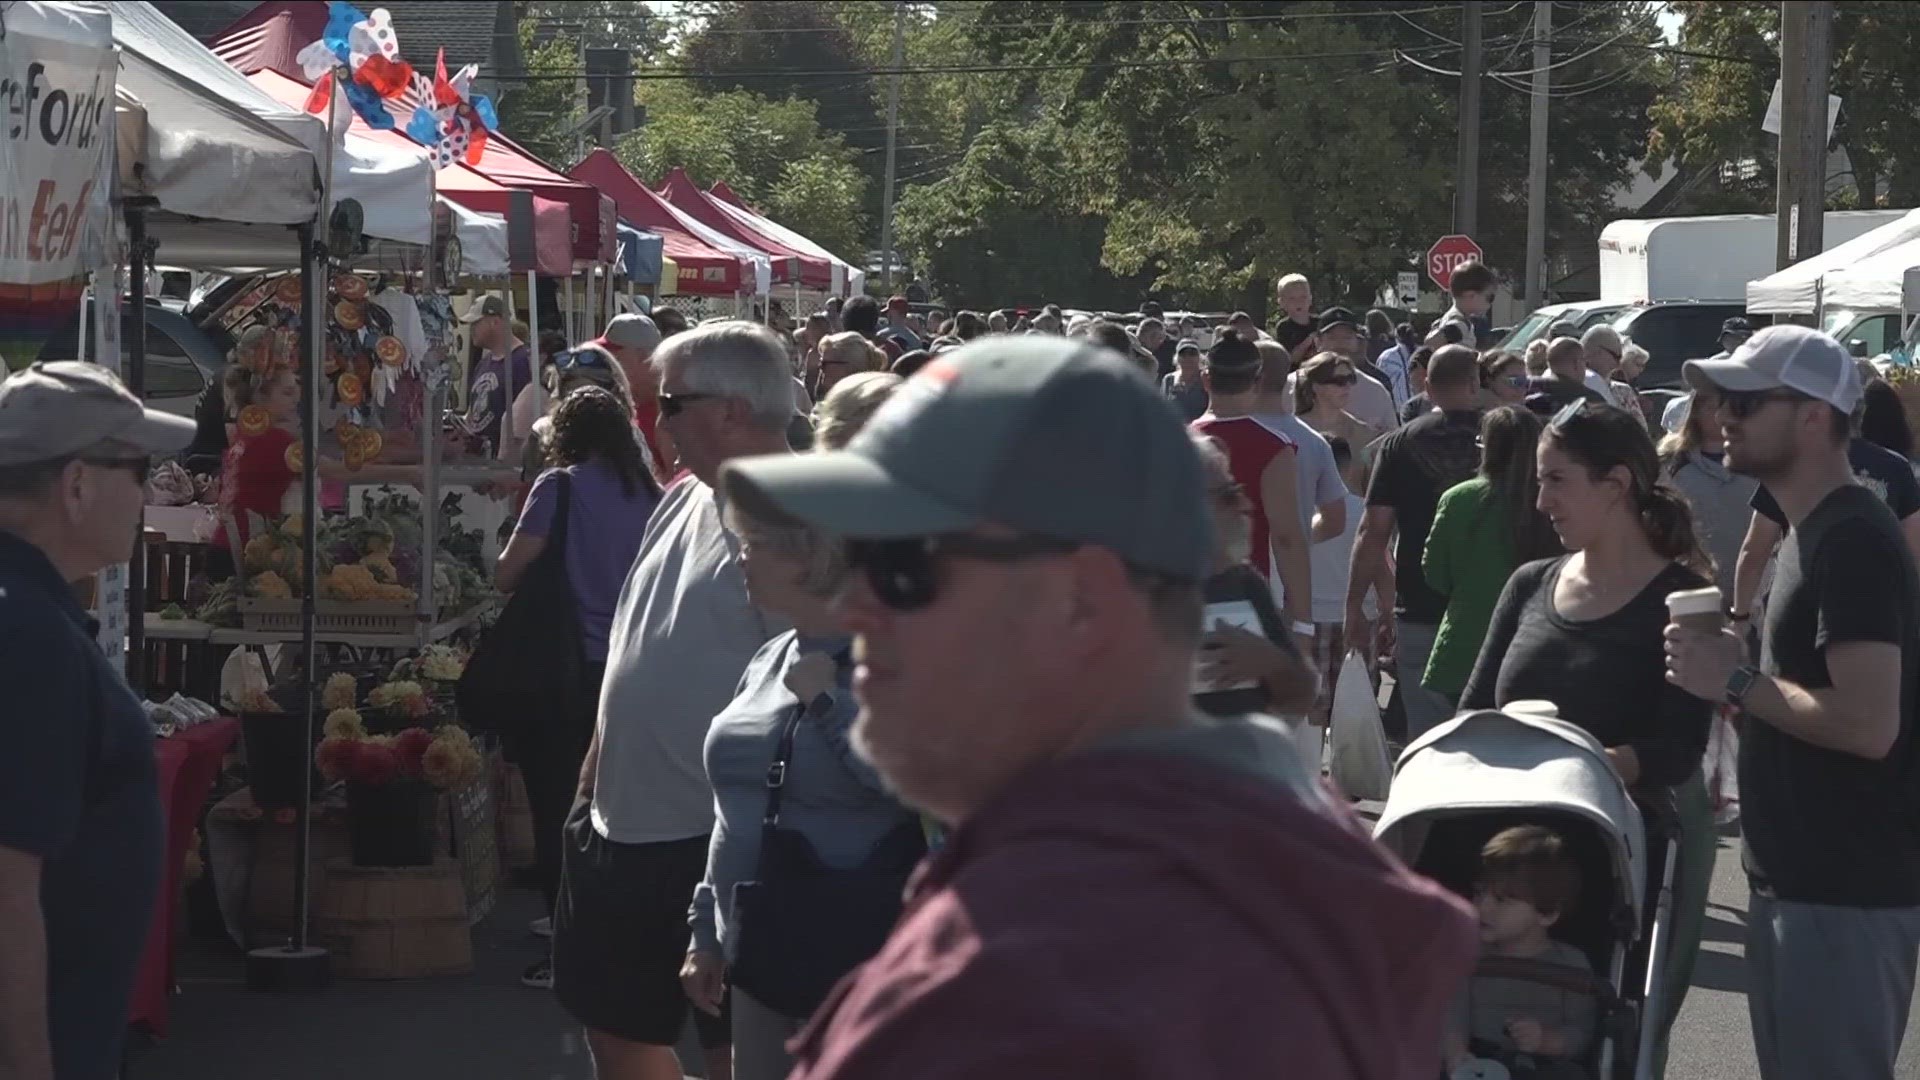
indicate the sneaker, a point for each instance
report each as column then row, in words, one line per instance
column 539, row 976
column 542, row 927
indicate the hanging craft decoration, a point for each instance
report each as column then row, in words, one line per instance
column 451, row 120
column 365, row 48
column 254, row 420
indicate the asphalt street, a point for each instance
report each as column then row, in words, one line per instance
column 487, row 1025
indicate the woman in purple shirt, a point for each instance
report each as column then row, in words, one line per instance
column 611, row 494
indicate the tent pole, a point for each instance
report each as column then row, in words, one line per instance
column 533, row 368
column 136, row 378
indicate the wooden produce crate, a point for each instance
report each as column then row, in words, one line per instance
column 395, row 922
column 329, row 616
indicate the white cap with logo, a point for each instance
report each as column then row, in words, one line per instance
column 1784, row 357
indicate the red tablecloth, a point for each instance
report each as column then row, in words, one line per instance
column 188, row 763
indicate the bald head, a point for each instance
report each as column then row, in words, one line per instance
column 1567, row 358
column 1276, row 363
column 1453, row 377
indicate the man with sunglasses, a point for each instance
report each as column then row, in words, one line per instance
column 80, row 842
column 1131, row 889
column 684, row 630
column 1828, row 757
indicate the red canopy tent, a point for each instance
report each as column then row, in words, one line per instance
column 271, row 36
column 552, row 223
column 704, row 269
column 679, row 189
column 847, row 279
column 725, row 194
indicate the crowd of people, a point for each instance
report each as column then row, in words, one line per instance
column 950, row 698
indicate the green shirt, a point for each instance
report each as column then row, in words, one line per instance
column 1468, row 558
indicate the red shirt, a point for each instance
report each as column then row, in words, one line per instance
column 1139, row 915
column 646, row 416
column 1251, row 446
column 254, row 479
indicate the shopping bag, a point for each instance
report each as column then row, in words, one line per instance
column 1722, row 767
column 1357, row 744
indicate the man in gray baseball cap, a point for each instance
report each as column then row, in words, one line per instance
column 1028, row 530
column 80, row 837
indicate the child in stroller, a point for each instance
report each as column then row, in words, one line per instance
column 1518, row 1010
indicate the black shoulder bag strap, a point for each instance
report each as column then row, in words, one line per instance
column 777, row 780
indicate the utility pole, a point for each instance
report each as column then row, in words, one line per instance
column 1537, row 156
column 1800, row 188
column 1466, row 193
column 893, row 132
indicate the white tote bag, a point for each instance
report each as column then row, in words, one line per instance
column 1357, row 744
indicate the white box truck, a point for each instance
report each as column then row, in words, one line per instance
column 1705, row 258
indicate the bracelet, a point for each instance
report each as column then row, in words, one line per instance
column 1737, row 616
column 1304, row 629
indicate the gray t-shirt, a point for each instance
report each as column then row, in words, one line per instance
column 1488, row 1004
column 682, row 634
column 1319, row 474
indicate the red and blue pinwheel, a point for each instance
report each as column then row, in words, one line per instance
column 364, row 46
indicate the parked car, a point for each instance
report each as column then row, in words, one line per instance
column 182, row 359
column 1673, row 332
column 1581, row 314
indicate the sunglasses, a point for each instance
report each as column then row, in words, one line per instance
column 580, row 358
column 1337, row 380
column 1572, row 412
column 905, row 574
column 140, row 467
column 675, row 404
column 1740, row 404
column 1519, row 382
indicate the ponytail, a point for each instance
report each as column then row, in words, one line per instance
column 1667, row 520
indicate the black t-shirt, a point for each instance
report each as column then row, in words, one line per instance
column 1290, row 333
column 1564, row 391
column 1163, row 355
column 1875, row 468
column 1606, row 675
column 1417, row 464
column 1822, row 826
column 78, row 790
column 1245, row 583
column 1417, row 406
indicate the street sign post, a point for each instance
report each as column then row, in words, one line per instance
column 1407, row 287
column 1448, row 254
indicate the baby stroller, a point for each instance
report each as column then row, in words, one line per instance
column 1462, row 782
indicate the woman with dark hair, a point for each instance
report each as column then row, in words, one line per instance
column 1503, row 377
column 595, row 467
column 1484, row 528
column 1883, row 419
column 1320, row 397
column 1586, row 632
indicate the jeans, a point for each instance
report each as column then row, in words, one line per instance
column 1426, row 709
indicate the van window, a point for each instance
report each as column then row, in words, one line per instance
column 1672, row 335
column 170, row 371
column 1882, row 332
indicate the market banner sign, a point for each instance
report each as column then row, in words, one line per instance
column 57, row 67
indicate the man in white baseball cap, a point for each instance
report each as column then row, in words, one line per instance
column 80, row 831
column 1828, row 752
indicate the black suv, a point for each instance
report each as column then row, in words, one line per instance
column 1674, row 332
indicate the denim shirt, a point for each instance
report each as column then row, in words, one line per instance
column 831, row 796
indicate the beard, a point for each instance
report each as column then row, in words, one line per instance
column 1757, row 459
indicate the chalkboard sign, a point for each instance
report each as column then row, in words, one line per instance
column 474, row 841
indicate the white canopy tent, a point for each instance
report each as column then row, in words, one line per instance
column 200, row 140
column 1807, row 285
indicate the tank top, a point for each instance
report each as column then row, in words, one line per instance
column 1251, row 447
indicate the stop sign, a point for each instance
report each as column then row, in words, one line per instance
column 1448, row 254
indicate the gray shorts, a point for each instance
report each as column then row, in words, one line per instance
column 1829, row 988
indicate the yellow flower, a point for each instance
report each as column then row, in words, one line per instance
column 344, row 724
column 270, row 585
column 339, row 692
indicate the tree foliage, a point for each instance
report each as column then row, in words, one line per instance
column 1713, row 112
column 772, row 153
column 537, row 112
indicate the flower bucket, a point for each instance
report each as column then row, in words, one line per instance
column 393, row 824
column 278, row 750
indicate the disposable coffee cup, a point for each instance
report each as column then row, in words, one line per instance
column 1697, row 609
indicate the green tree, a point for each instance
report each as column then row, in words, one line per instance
column 774, row 154
column 536, row 112
column 1712, row 114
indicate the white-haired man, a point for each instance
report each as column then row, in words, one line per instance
column 636, row 843
column 80, row 823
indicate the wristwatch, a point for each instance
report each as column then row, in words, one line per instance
column 1735, row 616
column 1304, row 629
column 1739, row 683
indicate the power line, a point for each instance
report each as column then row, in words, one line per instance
column 1195, row 20
column 976, row 69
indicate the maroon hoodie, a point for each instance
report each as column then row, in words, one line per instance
column 1191, row 904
